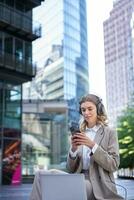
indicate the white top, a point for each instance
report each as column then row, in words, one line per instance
column 91, row 133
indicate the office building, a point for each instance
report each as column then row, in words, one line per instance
column 119, row 63
column 45, row 136
column 17, row 31
column 61, row 54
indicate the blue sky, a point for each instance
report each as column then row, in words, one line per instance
column 97, row 12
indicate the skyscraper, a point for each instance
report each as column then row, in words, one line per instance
column 61, row 53
column 119, row 65
column 17, row 31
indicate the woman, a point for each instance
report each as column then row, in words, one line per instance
column 94, row 151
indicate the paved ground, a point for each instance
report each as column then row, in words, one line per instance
column 22, row 192
column 128, row 188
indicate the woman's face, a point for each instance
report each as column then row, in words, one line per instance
column 89, row 112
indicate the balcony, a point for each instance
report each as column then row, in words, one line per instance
column 32, row 3
column 18, row 24
column 15, row 69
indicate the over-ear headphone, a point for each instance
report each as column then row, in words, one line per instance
column 96, row 100
column 100, row 107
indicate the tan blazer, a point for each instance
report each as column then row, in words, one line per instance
column 103, row 163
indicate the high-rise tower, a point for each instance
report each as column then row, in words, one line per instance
column 119, row 65
column 61, row 53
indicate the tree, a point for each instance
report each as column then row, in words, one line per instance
column 125, row 129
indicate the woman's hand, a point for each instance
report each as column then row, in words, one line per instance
column 82, row 139
column 73, row 143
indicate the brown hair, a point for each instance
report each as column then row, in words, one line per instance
column 101, row 113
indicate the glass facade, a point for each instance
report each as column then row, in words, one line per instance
column 75, row 50
column 61, row 54
column 10, row 132
column 16, row 35
column 15, row 53
column 61, row 57
column 45, row 141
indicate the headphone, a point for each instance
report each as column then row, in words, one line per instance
column 96, row 100
column 100, row 107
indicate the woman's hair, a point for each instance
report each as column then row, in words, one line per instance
column 101, row 113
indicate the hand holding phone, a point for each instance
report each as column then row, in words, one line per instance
column 74, row 129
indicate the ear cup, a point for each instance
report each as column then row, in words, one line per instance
column 80, row 111
column 100, row 108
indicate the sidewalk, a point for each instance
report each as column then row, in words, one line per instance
column 22, row 192
column 128, row 185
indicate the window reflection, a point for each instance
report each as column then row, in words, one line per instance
column 10, row 132
column 12, row 110
column 28, row 52
column 1, row 46
column 45, row 142
column 11, row 162
column 19, row 54
column 8, row 44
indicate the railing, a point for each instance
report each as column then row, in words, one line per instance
column 126, row 173
column 12, row 62
column 19, row 20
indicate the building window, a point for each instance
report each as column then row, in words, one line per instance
column 8, row 44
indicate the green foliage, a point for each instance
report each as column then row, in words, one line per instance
column 125, row 129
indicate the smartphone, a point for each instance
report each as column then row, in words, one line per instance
column 74, row 129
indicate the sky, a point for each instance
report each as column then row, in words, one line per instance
column 97, row 12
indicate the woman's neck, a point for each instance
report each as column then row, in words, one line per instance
column 91, row 125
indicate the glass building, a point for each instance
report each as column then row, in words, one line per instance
column 17, row 31
column 119, row 62
column 61, row 54
column 45, row 136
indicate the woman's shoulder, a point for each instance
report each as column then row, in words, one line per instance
column 109, row 129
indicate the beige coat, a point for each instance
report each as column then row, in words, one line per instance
column 103, row 163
